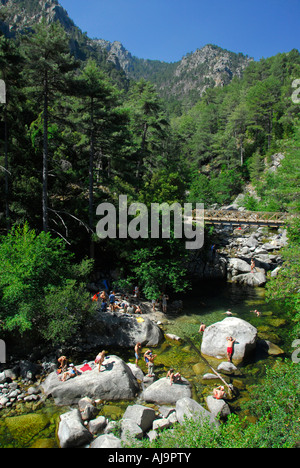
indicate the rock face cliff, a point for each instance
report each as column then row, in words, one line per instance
column 22, row 15
column 186, row 79
column 205, row 68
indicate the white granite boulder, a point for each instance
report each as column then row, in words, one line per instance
column 161, row 392
column 114, row 382
column 141, row 415
column 214, row 341
column 217, row 407
column 187, row 408
column 71, row 431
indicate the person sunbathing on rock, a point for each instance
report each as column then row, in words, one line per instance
column 219, row 393
column 173, row 377
column 71, row 372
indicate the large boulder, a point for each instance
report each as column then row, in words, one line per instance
column 236, row 266
column 161, row 392
column 187, row 408
column 114, row 382
column 130, row 430
column 117, row 329
column 218, row 407
column 214, row 341
column 71, row 431
column 141, row 415
column 106, row 441
column 250, row 279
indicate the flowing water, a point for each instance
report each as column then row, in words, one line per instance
column 29, row 427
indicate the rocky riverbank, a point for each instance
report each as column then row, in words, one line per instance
column 87, row 424
column 138, row 421
column 170, row 403
column 233, row 252
column 31, row 381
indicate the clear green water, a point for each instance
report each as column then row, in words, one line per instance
column 27, row 427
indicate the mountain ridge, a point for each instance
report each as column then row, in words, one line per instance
column 187, row 79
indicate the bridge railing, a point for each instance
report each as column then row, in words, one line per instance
column 245, row 217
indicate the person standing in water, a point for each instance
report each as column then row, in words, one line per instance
column 137, row 349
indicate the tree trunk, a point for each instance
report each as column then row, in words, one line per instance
column 91, row 181
column 6, row 172
column 141, row 158
column 270, row 128
column 45, row 157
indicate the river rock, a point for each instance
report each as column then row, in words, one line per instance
column 71, row 431
column 161, row 424
column 161, row 392
column 228, row 368
column 187, row 408
column 3, row 378
column 236, row 266
column 29, row 370
column 270, row 247
column 210, row 377
column 214, row 341
column 3, row 401
column 130, row 430
column 270, row 348
column 117, row 329
column 97, row 425
column 173, row 337
column 251, row 241
column 106, row 441
column 141, row 415
column 250, row 279
column 275, row 272
column 136, row 370
column 114, row 382
column 217, row 407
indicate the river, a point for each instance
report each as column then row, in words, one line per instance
column 207, row 303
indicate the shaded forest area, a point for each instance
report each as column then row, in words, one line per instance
column 74, row 135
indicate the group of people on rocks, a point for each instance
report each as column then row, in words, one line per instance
column 149, row 357
column 109, row 301
column 66, row 371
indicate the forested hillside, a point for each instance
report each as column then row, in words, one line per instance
column 231, row 134
column 84, row 123
column 181, row 84
column 73, row 136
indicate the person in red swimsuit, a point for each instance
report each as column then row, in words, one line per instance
column 231, row 342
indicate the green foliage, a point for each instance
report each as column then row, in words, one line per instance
column 279, row 191
column 36, row 283
column 220, row 188
column 66, row 310
column 158, row 268
column 276, row 406
column 238, row 126
column 285, row 288
column 163, row 187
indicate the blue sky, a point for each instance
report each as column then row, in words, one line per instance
column 168, row 29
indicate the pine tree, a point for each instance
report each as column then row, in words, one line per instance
column 149, row 124
column 11, row 63
column 49, row 63
column 101, row 123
